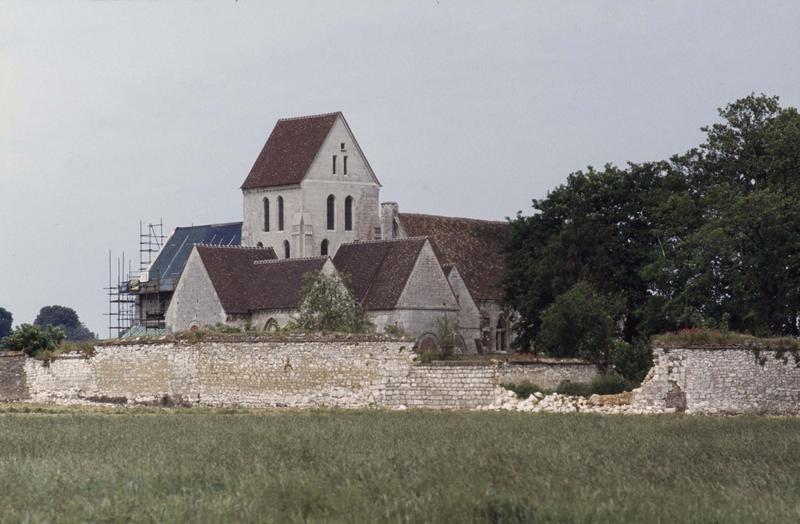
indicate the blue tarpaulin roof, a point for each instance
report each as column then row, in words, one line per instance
column 168, row 266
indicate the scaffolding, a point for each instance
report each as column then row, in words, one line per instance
column 151, row 240
column 121, row 304
column 127, row 305
column 150, row 306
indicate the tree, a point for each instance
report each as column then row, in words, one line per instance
column 65, row 318
column 578, row 324
column 446, row 332
column 6, row 319
column 327, row 304
column 706, row 238
column 33, row 339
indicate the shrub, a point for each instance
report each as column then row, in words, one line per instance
column 607, row 384
column 219, row 327
column 394, row 330
column 632, row 361
column 428, row 356
column 327, row 304
column 578, row 324
column 33, row 340
column 714, row 337
column 524, row 389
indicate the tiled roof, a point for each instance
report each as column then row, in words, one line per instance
column 378, row 269
column 167, row 267
column 250, row 279
column 289, row 151
column 474, row 246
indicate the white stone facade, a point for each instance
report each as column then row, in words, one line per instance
column 194, row 302
column 305, row 206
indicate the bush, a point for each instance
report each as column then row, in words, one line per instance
column 427, row 357
column 394, row 330
column 578, row 324
column 219, row 327
column 632, row 361
column 608, row 384
column 33, row 340
column 524, row 389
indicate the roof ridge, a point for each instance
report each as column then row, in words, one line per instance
column 319, row 115
column 216, row 224
column 404, row 239
column 298, row 259
column 455, row 218
column 234, row 246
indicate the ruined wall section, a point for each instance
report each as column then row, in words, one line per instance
column 721, row 380
column 13, row 385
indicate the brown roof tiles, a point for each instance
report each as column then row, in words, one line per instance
column 474, row 246
column 378, row 269
column 289, row 151
column 251, row 279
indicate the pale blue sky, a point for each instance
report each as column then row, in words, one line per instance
column 115, row 112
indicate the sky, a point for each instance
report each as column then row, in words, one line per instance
column 116, row 112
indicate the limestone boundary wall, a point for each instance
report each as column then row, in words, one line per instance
column 347, row 372
column 720, row 380
column 548, row 374
column 12, row 376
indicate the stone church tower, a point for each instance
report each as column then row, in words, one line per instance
column 310, row 190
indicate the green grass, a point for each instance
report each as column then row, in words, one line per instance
column 361, row 466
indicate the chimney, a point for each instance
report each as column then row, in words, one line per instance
column 389, row 227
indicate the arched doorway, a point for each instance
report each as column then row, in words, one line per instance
column 428, row 343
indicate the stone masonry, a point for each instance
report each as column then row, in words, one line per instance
column 348, row 372
column 720, row 380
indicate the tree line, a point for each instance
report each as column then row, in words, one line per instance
column 707, row 238
column 52, row 325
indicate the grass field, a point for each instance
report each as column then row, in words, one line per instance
column 212, row 466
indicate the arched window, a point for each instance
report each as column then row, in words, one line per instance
column 331, row 212
column 280, row 213
column 266, row 214
column 500, row 335
column 348, row 213
column 323, row 248
column 259, row 245
column 286, row 250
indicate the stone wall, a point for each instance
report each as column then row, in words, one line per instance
column 265, row 371
column 353, row 374
column 12, row 376
column 720, row 380
column 548, row 373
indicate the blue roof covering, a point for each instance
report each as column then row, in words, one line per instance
column 168, row 266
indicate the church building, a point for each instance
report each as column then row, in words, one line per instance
column 312, row 197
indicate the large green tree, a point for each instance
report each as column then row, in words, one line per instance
column 65, row 318
column 6, row 320
column 710, row 237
